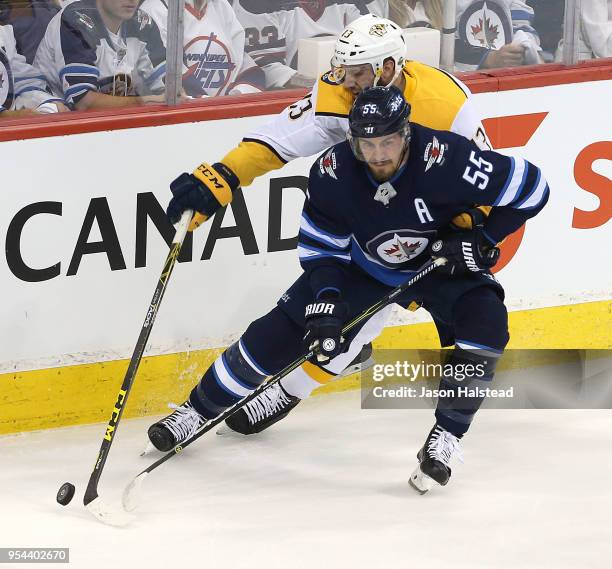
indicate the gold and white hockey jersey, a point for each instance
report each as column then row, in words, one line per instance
column 320, row 120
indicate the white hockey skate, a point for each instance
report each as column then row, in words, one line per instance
column 434, row 460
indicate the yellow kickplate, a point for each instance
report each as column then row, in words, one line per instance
column 79, row 394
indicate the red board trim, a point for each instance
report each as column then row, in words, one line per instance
column 270, row 103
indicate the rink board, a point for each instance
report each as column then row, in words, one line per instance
column 82, row 394
column 83, row 245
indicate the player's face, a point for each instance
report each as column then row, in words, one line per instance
column 120, row 9
column 383, row 154
column 356, row 77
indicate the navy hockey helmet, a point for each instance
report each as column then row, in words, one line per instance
column 378, row 111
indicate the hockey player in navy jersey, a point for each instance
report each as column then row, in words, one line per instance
column 379, row 207
column 370, row 51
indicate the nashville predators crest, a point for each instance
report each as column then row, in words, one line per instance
column 378, row 30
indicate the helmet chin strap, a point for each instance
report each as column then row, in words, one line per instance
column 378, row 76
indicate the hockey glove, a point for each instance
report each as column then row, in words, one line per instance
column 470, row 219
column 207, row 190
column 325, row 318
column 466, row 252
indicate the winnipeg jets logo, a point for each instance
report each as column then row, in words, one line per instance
column 485, row 24
column 402, row 250
column 485, row 32
column 394, row 248
column 434, row 153
column 327, row 164
column 209, row 66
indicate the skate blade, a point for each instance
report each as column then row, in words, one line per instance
column 226, row 431
column 132, row 493
column 149, row 449
column 356, row 368
column 421, row 482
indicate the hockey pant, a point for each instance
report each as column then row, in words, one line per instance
column 468, row 312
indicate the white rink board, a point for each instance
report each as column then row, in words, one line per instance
column 96, row 314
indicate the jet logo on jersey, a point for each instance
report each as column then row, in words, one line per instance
column 327, row 164
column 209, row 66
column 395, row 248
column 434, row 153
column 485, row 24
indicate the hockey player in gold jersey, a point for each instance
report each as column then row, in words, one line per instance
column 370, row 51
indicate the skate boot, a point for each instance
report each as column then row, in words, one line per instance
column 269, row 407
column 176, row 427
column 434, row 460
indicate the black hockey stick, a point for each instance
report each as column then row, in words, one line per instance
column 91, row 500
column 132, row 490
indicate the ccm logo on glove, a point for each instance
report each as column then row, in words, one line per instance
column 208, row 174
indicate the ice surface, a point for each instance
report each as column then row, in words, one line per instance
column 327, row 487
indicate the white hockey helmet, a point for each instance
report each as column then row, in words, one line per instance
column 370, row 40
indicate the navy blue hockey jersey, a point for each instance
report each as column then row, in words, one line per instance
column 445, row 174
column 79, row 54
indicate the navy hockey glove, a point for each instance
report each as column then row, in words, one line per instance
column 466, row 252
column 205, row 191
column 325, row 318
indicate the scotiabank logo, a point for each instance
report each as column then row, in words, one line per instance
column 516, row 131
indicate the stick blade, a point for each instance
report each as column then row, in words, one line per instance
column 132, row 492
column 107, row 514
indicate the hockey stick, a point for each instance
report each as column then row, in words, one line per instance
column 132, row 490
column 91, row 500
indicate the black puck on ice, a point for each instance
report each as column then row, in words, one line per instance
column 65, row 493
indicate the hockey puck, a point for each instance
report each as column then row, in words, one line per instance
column 65, row 493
